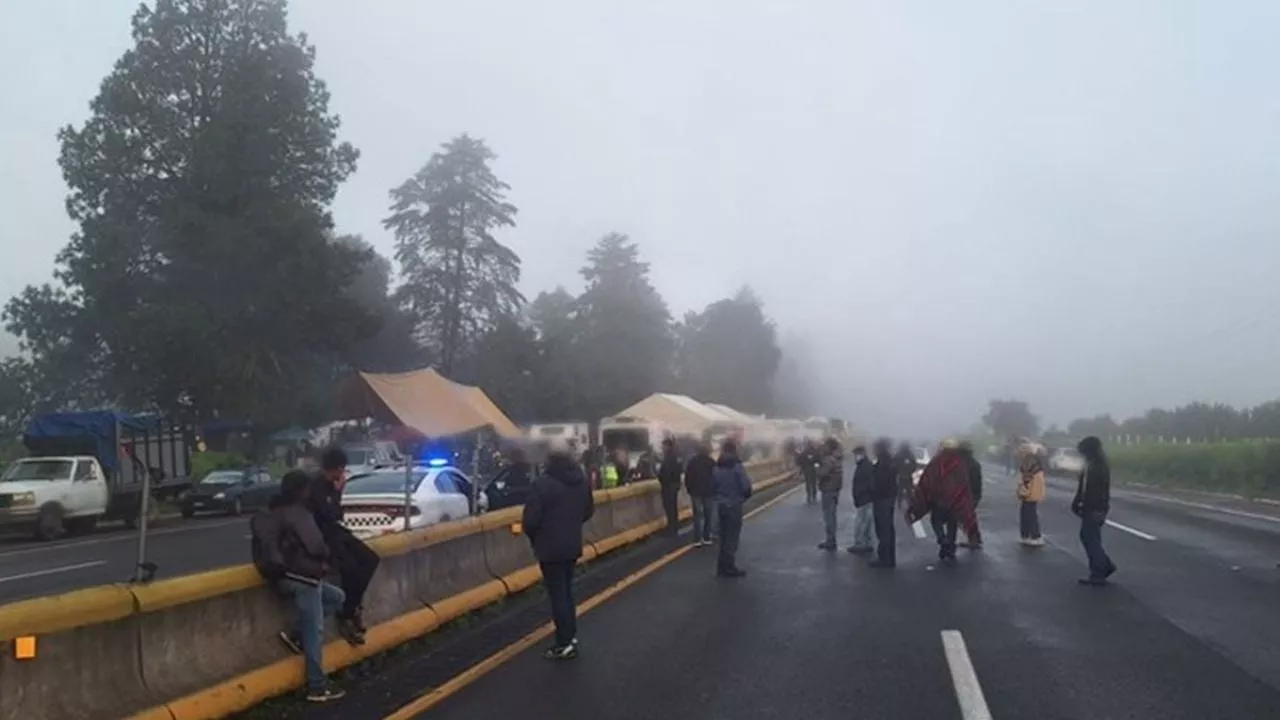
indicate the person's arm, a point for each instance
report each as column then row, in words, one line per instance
column 531, row 519
column 744, row 481
column 1077, row 502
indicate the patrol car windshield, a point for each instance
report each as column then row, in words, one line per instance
column 25, row 470
column 379, row 483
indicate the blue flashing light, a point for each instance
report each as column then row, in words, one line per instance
column 437, row 462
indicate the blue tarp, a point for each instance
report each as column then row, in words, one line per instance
column 103, row 426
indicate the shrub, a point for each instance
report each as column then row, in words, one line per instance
column 1246, row 468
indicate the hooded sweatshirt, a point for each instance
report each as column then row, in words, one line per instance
column 697, row 475
column 729, row 482
column 863, row 480
column 1093, row 490
column 558, row 505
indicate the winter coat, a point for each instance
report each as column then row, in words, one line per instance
column 831, row 472
column 884, row 483
column 558, row 505
column 1030, row 481
column 944, row 485
column 670, row 470
column 863, row 480
column 730, row 484
column 1093, row 490
column 697, row 475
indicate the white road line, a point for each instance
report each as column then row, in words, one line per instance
column 1131, row 531
column 118, row 536
column 917, row 529
column 51, row 571
column 973, row 705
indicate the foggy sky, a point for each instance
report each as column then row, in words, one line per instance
column 947, row 201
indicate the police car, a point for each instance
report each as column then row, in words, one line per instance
column 375, row 503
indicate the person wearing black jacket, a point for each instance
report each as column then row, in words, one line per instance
column 355, row 562
column 560, row 503
column 1092, row 503
column 808, row 460
column 907, row 466
column 290, row 553
column 863, row 512
column 697, row 482
column 670, row 470
column 884, row 497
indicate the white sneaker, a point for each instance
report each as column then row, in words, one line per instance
column 1036, row 542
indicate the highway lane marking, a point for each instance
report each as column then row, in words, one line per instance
column 1131, row 531
column 437, row 695
column 51, row 571
column 127, row 535
column 973, row 704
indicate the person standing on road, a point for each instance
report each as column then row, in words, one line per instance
column 907, row 466
column 863, row 512
column 973, row 468
column 943, row 495
column 290, row 553
column 697, row 482
column 830, row 481
column 559, row 503
column 1030, row 492
column 670, row 471
column 1092, row 503
column 731, row 487
column 808, row 461
column 884, row 497
column 356, row 562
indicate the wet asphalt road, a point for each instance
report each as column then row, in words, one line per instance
column 1189, row 630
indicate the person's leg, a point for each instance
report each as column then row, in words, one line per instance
column 308, row 601
column 1024, row 520
column 556, row 577
column 670, row 505
column 359, row 563
column 1100, row 565
column 1033, row 521
column 730, row 528
column 862, row 529
column 886, row 534
column 713, row 520
column 829, row 504
column 697, row 505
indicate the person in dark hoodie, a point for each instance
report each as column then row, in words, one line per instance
column 670, row 470
column 830, row 482
column 558, row 506
column 884, row 498
column 1091, row 504
column 697, row 482
column 808, row 459
column 863, row 513
column 290, row 554
column 355, row 561
column 730, row 487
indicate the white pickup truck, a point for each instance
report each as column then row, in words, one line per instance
column 49, row 495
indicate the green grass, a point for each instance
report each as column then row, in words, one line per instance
column 1251, row 469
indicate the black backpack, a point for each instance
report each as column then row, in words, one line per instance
column 268, row 557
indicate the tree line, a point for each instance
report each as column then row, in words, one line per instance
column 1197, row 422
column 206, row 280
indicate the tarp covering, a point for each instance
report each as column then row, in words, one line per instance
column 680, row 414
column 426, row 402
column 94, row 433
column 739, row 417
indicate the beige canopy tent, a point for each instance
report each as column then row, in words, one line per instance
column 424, row 401
column 679, row 414
column 738, row 417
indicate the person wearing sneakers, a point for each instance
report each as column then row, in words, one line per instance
column 354, row 561
column 731, row 487
column 290, row 554
column 1091, row 504
column 559, row 503
column 697, row 482
column 1030, row 493
column 943, row 495
column 864, row 536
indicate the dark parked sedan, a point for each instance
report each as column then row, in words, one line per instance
column 230, row 492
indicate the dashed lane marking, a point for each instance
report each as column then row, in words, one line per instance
column 973, row 704
column 51, row 571
column 1131, row 531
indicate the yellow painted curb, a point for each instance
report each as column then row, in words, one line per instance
column 468, row 600
column 56, row 613
column 521, row 579
column 167, row 593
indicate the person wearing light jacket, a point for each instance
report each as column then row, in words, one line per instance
column 731, row 487
column 1030, row 493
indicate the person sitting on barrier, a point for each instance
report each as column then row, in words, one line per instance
column 290, row 554
column 558, row 506
column 731, row 487
column 355, row 561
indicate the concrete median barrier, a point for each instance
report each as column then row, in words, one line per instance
column 203, row 646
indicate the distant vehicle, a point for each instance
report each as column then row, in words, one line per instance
column 1066, row 461
column 509, row 487
column 364, row 458
column 230, row 492
column 632, row 434
column 373, row 503
column 91, row 466
column 577, row 433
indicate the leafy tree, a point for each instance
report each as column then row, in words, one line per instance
column 1102, row 426
column 556, row 318
column 391, row 348
column 626, row 345
column 1011, row 418
column 459, row 280
column 507, row 363
column 201, row 278
column 729, row 354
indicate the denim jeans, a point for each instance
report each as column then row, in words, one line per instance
column 558, row 578
column 314, row 603
column 730, row 532
column 830, row 501
column 1100, row 565
column 864, row 531
column 704, row 518
column 1029, row 520
column 886, row 534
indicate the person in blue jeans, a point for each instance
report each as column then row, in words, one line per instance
column 697, row 482
column 731, row 487
column 290, row 553
column 1091, row 504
